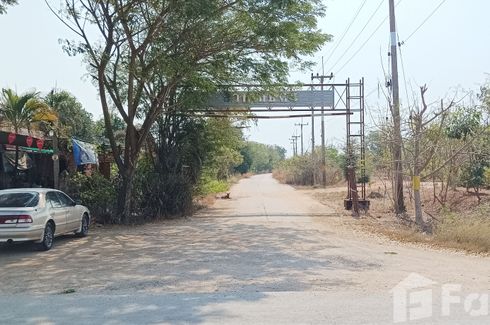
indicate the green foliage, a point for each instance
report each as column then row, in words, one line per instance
column 20, row 111
column 260, row 158
column 343, row 161
column 222, row 142
column 473, row 174
column 463, row 122
column 118, row 127
column 74, row 120
column 209, row 185
column 158, row 194
column 167, row 175
column 189, row 156
column 97, row 193
column 4, row 4
column 193, row 46
column 363, row 179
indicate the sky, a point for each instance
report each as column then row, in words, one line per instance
column 450, row 50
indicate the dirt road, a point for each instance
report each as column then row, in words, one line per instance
column 268, row 255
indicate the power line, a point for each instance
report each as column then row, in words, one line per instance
column 362, row 46
column 346, row 31
column 357, row 36
column 403, row 71
column 365, row 42
column 424, row 21
column 372, row 92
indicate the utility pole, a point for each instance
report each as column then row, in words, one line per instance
column 395, row 111
column 313, row 137
column 294, row 143
column 295, row 139
column 301, row 132
column 322, row 81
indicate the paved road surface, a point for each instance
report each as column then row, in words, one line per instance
column 270, row 255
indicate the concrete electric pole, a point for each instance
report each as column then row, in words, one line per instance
column 395, row 111
column 301, row 133
column 294, row 143
column 295, row 139
column 322, row 83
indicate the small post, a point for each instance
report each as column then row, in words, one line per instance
column 56, row 161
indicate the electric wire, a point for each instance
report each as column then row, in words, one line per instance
column 424, row 21
column 357, row 36
column 346, row 31
column 362, row 46
column 403, row 72
column 371, row 92
column 365, row 42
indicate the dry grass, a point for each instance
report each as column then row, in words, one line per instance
column 463, row 224
column 469, row 231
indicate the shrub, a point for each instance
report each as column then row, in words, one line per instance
column 160, row 194
column 363, row 179
column 300, row 171
column 208, row 185
column 97, row 193
column 474, row 174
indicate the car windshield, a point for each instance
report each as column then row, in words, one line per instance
column 19, row 200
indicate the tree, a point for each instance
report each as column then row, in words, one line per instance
column 4, row 4
column 466, row 126
column 222, row 141
column 118, row 127
column 20, row 111
column 141, row 54
column 424, row 147
column 74, row 120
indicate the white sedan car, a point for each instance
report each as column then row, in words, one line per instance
column 39, row 215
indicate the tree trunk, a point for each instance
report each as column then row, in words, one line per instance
column 417, row 200
column 417, row 170
column 125, row 196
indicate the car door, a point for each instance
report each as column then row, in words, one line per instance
column 57, row 211
column 73, row 217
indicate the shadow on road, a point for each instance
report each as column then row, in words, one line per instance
column 194, row 262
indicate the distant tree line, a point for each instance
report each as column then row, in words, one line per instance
column 260, row 158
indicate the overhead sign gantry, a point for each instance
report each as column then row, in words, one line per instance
column 304, row 100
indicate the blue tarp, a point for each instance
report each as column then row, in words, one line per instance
column 84, row 153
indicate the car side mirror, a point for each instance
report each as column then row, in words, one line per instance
column 77, row 202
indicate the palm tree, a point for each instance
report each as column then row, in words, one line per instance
column 20, row 111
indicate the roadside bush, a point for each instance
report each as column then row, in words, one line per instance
column 474, row 175
column 295, row 171
column 363, row 179
column 161, row 194
column 207, row 185
column 300, row 170
column 97, row 193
